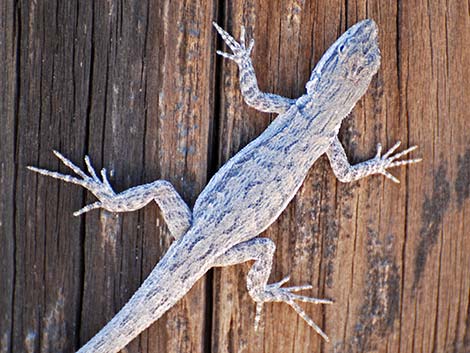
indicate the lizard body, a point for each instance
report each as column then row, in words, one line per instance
column 250, row 191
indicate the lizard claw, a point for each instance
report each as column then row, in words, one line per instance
column 276, row 293
column 240, row 51
column 88, row 208
column 100, row 188
column 226, row 55
column 388, row 160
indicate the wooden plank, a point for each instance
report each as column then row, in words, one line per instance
column 392, row 257
column 8, row 105
column 130, row 84
column 47, row 240
column 435, row 77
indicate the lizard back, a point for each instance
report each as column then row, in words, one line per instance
column 250, row 191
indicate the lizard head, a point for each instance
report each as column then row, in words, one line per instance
column 349, row 64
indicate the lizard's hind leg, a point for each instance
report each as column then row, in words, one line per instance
column 262, row 251
column 175, row 211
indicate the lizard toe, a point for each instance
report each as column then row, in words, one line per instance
column 276, row 293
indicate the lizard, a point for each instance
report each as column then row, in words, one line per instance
column 250, row 191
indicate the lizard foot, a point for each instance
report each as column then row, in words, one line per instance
column 275, row 293
column 381, row 163
column 101, row 189
column 240, row 51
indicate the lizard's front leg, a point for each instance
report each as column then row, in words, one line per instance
column 262, row 251
column 265, row 102
column 377, row 165
column 176, row 213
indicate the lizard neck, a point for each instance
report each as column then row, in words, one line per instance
column 324, row 120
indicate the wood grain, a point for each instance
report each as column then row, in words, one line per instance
column 130, row 84
column 392, row 257
column 8, row 107
column 137, row 86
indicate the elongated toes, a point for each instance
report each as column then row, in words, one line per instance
column 299, row 288
column 90, row 168
column 228, row 39
column 281, row 282
column 274, row 293
column 391, row 161
column 379, row 151
column 226, row 55
column 242, row 36
column 106, row 181
column 87, row 208
column 391, row 150
column 240, row 51
column 405, row 162
column 312, row 300
column 251, row 46
column 55, row 175
column 403, row 153
column 69, row 164
column 308, row 320
column 390, row 176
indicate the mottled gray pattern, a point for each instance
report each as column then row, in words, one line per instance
column 250, row 191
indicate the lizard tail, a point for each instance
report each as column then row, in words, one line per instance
column 122, row 329
column 168, row 282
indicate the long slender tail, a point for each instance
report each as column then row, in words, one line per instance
column 127, row 324
column 168, row 282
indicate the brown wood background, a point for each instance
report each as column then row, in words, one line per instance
column 137, row 86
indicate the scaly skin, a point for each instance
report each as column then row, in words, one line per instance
column 250, row 191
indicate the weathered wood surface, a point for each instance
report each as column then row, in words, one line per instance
column 137, row 86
